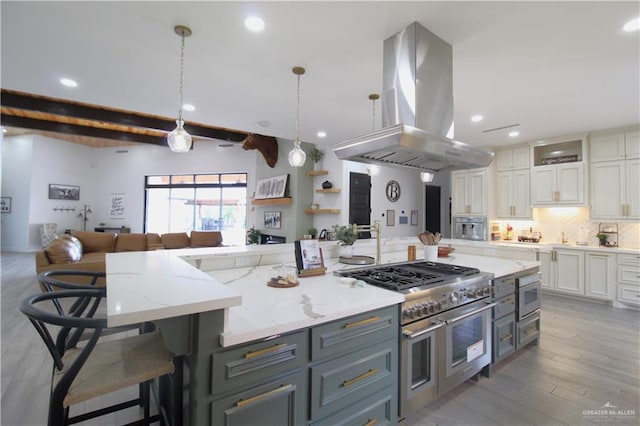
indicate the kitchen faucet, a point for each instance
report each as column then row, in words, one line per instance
column 376, row 228
column 564, row 240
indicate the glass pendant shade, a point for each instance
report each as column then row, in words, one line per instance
column 179, row 140
column 426, row 176
column 297, row 156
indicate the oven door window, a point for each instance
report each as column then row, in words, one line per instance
column 421, row 369
column 466, row 341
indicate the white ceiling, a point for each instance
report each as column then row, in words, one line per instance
column 555, row 68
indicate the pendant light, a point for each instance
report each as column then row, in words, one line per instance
column 179, row 140
column 297, row 156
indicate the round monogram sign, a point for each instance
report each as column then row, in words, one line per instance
column 393, row 191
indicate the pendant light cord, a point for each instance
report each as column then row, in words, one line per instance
column 298, row 114
column 181, row 74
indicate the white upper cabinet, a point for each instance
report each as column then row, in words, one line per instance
column 616, row 146
column 558, row 174
column 514, row 196
column 615, row 176
column 469, row 191
column 513, row 159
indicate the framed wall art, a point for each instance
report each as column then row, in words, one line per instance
column 414, row 217
column 275, row 187
column 273, row 220
column 116, row 206
column 5, row 204
column 63, row 192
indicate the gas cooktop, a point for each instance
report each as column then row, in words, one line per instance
column 408, row 275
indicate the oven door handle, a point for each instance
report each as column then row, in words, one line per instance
column 422, row 332
column 468, row 314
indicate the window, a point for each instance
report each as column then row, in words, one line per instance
column 211, row 202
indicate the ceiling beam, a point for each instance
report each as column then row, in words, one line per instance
column 26, row 110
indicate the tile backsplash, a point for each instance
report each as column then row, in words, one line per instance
column 552, row 222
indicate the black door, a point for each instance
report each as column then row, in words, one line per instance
column 432, row 209
column 360, row 201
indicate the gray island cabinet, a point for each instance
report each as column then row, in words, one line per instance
column 341, row 372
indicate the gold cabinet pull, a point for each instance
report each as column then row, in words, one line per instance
column 250, row 355
column 369, row 373
column 506, row 337
column 276, row 391
column 359, row 323
column 371, row 422
column 530, row 331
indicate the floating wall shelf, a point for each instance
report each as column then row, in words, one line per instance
column 328, row 191
column 272, row 201
column 317, row 173
column 321, row 211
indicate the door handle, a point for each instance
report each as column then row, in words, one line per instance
column 366, row 375
column 253, row 399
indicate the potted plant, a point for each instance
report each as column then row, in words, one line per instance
column 346, row 236
column 313, row 232
column 316, row 155
column 253, row 236
column 602, row 238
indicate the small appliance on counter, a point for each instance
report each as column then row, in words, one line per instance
column 529, row 236
column 470, row 228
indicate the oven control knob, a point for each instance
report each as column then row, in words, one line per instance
column 437, row 306
column 431, row 308
column 487, row 291
column 405, row 313
column 454, row 296
column 471, row 293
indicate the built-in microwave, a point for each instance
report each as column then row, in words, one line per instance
column 470, row 227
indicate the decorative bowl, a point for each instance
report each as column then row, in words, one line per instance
column 444, row 251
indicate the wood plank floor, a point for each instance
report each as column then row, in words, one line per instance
column 588, row 357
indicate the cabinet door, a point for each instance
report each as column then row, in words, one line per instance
column 476, row 193
column 570, row 183
column 543, row 189
column 505, row 191
column 547, row 269
column 458, row 194
column 633, row 192
column 607, row 148
column 600, row 275
column 521, row 194
column 521, row 157
column 607, row 190
column 570, row 271
column 281, row 402
column 632, row 144
column 505, row 160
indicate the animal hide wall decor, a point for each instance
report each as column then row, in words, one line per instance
column 267, row 145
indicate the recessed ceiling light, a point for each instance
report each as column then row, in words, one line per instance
column 514, row 134
column 188, row 107
column 322, row 134
column 477, row 118
column 254, row 23
column 632, row 25
column 264, row 123
column 68, row 82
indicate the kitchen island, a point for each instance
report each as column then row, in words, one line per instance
column 222, row 320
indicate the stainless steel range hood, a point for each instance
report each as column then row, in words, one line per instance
column 417, row 110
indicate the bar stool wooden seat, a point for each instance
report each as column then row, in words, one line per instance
column 86, row 369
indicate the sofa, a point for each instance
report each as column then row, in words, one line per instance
column 86, row 251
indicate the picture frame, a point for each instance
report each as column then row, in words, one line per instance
column 117, row 206
column 64, row 192
column 5, row 204
column 273, row 219
column 391, row 217
column 414, row 217
column 274, row 187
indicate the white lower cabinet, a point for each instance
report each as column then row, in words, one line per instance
column 579, row 272
column 628, row 279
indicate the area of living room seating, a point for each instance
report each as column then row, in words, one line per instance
column 85, row 251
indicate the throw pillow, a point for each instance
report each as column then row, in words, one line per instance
column 62, row 251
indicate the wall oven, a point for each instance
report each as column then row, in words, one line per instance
column 470, row 228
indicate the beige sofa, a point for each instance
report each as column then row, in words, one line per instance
column 86, row 251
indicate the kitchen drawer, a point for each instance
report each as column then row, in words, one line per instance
column 279, row 402
column 528, row 329
column 340, row 382
column 505, row 306
column 378, row 409
column 354, row 332
column 253, row 362
column 503, row 286
column 629, row 294
column 629, row 259
column 504, row 338
column 628, row 275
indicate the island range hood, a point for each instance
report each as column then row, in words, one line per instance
column 417, row 110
